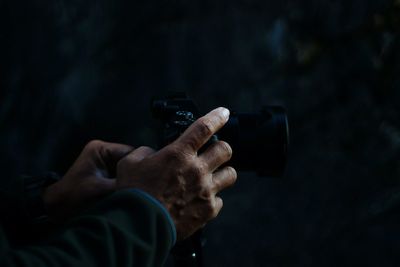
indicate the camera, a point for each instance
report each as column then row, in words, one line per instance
column 259, row 140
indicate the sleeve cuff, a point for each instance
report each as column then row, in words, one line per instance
column 33, row 187
column 162, row 208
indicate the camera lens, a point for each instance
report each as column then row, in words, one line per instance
column 259, row 141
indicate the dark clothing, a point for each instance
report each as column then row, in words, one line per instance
column 128, row 228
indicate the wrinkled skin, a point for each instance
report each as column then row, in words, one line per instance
column 87, row 181
column 185, row 182
column 181, row 179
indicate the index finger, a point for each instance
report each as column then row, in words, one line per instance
column 202, row 129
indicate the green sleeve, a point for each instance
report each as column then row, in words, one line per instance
column 128, row 228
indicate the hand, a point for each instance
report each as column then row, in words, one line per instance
column 86, row 181
column 185, row 182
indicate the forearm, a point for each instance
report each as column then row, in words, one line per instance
column 125, row 229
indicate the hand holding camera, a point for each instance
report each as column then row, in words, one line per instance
column 187, row 173
column 183, row 180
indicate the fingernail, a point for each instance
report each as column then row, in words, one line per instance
column 225, row 112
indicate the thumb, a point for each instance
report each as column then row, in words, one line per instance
column 139, row 154
column 112, row 152
column 109, row 154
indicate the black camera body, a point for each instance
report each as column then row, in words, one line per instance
column 259, row 140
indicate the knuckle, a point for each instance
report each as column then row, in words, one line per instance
column 232, row 174
column 205, row 126
column 205, row 194
column 94, row 145
column 216, row 209
column 221, row 203
column 145, row 149
column 190, row 143
column 226, row 148
column 121, row 164
column 214, row 214
column 174, row 153
column 197, row 171
column 209, row 209
column 202, row 167
column 124, row 163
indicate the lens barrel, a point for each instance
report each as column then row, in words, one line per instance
column 259, row 141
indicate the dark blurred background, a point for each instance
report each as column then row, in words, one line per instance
column 72, row 71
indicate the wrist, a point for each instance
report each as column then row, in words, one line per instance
column 34, row 188
column 50, row 196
